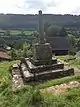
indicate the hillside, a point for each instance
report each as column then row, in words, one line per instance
column 30, row 21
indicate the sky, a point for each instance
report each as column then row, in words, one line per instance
column 47, row 6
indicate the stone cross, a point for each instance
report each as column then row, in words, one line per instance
column 41, row 28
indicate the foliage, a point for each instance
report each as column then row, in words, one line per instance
column 63, row 32
column 73, row 63
column 75, row 44
column 13, row 53
column 46, row 26
column 66, row 57
column 31, row 96
column 26, row 50
column 54, row 31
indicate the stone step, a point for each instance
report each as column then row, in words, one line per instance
column 45, row 62
column 32, row 68
column 52, row 74
column 25, row 73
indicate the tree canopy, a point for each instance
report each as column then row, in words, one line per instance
column 55, row 30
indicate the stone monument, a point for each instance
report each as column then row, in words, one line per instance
column 43, row 66
column 42, row 53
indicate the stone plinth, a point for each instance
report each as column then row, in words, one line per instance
column 42, row 68
column 41, row 62
column 46, row 74
column 42, row 53
column 32, row 72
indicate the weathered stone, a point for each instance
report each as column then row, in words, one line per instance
column 41, row 28
column 41, row 62
column 51, row 74
column 42, row 52
column 42, row 68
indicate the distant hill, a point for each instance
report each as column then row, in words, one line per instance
column 31, row 21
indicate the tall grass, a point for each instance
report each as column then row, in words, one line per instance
column 31, row 96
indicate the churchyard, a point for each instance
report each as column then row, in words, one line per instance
column 42, row 80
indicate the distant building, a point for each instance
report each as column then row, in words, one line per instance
column 3, row 55
column 60, row 45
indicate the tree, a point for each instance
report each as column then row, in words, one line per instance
column 63, row 32
column 46, row 26
column 19, row 53
column 55, row 30
column 72, row 40
column 73, row 44
column 26, row 50
column 36, row 35
column 13, row 53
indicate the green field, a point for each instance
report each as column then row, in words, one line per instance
column 17, row 32
column 31, row 96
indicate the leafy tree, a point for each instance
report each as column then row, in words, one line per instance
column 72, row 40
column 36, row 35
column 77, row 45
column 26, row 50
column 19, row 53
column 55, row 30
column 63, row 32
column 46, row 25
column 13, row 53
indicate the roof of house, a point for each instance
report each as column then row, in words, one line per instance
column 59, row 43
column 3, row 53
column 3, row 50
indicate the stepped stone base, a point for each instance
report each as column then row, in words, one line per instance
column 41, row 68
column 47, row 75
column 31, row 72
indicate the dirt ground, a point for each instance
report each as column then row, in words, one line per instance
column 58, row 89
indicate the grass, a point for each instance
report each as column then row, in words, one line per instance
column 30, row 95
column 65, row 57
column 73, row 63
column 5, row 76
column 59, row 81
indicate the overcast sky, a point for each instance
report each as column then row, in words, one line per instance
column 32, row 6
